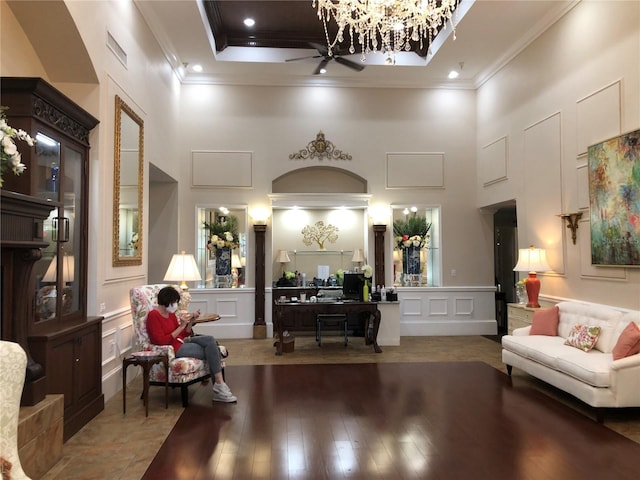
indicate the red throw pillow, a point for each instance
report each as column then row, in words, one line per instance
column 628, row 343
column 545, row 322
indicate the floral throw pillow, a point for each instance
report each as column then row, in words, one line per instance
column 583, row 337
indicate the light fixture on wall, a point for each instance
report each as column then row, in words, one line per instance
column 283, row 257
column 572, row 223
column 384, row 26
column 183, row 268
column 358, row 258
column 532, row 260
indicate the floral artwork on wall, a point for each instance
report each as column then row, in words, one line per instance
column 614, row 198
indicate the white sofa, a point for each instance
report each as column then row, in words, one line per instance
column 593, row 377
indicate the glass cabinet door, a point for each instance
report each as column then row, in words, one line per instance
column 60, row 174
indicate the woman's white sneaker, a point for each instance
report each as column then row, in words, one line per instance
column 222, row 393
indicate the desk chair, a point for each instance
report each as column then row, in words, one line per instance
column 329, row 318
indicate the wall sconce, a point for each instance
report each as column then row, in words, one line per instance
column 260, row 215
column 572, row 222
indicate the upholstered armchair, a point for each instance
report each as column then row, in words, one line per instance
column 13, row 366
column 183, row 371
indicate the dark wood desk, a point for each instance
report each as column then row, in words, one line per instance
column 292, row 316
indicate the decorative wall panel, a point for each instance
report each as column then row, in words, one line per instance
column 221, row 169
column 543, row 189
column 415, row 170
column 598, row 116
column 493, row 161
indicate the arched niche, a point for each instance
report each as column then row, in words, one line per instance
column 319, row 179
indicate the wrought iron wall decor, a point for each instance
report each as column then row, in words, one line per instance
column 319, row 233
column 320, row 148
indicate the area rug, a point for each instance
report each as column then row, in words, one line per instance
column 451, row 420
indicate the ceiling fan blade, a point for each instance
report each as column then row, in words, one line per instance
column 303, row 58
column 321, row 65
column 322, row 49
column 350, row 64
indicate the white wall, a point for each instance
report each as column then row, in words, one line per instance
column 273, row 122
column 576, row 85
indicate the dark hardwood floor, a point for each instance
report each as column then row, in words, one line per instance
column 435, row 420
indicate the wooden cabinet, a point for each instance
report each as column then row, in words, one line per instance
column 60, row 335
column 73, row 369
column 518, row 316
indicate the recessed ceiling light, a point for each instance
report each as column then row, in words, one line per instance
column 196, row 68
column 453, row 74
column 249, row 22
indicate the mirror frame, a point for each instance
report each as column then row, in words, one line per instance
column 120, row 107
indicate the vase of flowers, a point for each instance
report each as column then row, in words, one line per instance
column 10, row 158
column 411, row 235
column 521, row 292
column 223, row 238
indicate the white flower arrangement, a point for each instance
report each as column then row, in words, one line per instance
column 226, row 239
column 135, row 241
column 367, row 271
column 9, row 155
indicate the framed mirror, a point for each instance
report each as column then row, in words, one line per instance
column 127, row 186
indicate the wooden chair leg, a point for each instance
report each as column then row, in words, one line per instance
column 184, row 393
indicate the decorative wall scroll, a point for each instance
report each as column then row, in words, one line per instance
column 320, row 148
column 614, row 197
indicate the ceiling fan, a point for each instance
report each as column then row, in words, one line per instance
column 326, row 58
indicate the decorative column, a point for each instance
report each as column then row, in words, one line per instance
column 259, row 324
column 378, row 232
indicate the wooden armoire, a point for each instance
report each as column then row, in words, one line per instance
column 44, row 243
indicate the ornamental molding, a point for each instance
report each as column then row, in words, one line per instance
column 320, row 148
column 56, row 118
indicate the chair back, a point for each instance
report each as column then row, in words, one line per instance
column 144, row 298
column 13, row 365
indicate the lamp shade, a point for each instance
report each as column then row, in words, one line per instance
column 283, row 256
column 182, row 268
column 532, row 260
column 358, row 256
column 68, row 269
column 235, row 261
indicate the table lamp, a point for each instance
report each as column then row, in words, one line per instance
column 283, row 257
column 532, row 260
column 358, row 258
column 183, row 268
column 68, row 269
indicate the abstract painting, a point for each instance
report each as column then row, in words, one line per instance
column 614, row 200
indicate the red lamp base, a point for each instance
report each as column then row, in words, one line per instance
column 532, row 284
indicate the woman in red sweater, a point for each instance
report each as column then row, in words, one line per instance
column 164, row 328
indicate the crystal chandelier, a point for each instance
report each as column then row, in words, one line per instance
column 385, row 26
